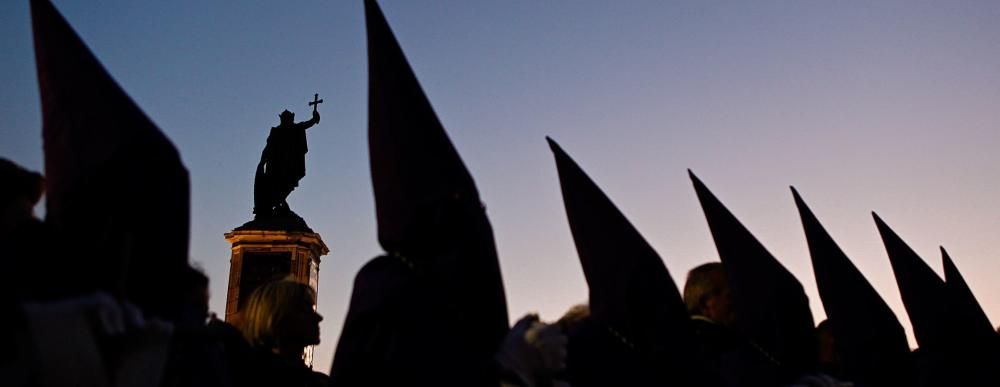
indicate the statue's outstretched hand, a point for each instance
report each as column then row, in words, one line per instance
column 316, row 116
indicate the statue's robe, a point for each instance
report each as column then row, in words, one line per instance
column 285, row 155
column 282, row 164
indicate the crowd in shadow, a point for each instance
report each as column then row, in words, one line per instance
column 101, row 293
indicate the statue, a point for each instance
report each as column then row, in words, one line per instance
column 282, row 164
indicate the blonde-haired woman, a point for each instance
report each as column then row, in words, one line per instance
column 279, row 321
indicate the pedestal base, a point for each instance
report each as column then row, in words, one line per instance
column 260, row 256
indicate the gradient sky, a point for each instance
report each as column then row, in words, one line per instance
column 892, row 107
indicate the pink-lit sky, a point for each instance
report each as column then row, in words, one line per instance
column 892, row 107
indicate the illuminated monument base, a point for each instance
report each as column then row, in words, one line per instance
column 259, row 256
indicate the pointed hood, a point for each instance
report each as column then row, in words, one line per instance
column 922, row 291
column 631, row 291
column 964, row 302
column 117, row 190
column 414, row 165
column 952, row 349
column 771, row 307
column 870, row 342
column 429, row 218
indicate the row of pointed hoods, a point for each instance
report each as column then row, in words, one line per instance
column 117, row 188
column 416, row 171
column 631, row 291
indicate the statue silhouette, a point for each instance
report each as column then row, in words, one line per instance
column 282, row 164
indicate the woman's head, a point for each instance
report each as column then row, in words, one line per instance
column 281, row 315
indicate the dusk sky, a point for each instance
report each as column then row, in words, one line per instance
column 888, row 106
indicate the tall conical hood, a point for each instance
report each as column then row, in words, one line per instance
column 771, row 307
column 414, row 165
column 964, row 302
column 631, row 291
column 922, row 291
column 427, row 205
column 117, row 190
column 870, row 342
column 953, row 352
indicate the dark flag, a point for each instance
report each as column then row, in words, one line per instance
column 771, row 307
column 117, row 192
column 432, row 311
column 868, row 339
column 950, row 353
column 639, row 332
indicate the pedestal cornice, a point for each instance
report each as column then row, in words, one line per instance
column 267, row 238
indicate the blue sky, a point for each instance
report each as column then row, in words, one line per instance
column 892, row 107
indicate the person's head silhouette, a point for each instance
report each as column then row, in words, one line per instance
column 280, row 316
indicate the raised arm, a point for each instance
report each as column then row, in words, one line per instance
column 308, row 124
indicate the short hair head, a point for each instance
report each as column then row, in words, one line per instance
column 574, row 316
column 703, row 282
column 269, row 307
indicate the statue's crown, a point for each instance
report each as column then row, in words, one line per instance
column 286, row 113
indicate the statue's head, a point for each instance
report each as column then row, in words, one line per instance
column 287, row 117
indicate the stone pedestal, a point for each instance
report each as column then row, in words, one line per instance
column 260, row 256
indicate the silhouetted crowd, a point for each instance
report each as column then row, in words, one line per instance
column 101, row 293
